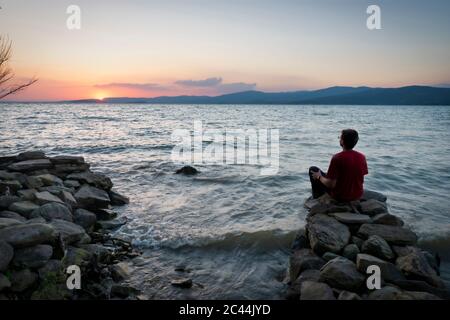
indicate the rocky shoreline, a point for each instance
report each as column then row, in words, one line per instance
column 331, row 256
column 55, row 213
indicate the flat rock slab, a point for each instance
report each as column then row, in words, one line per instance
column 388, row 219
column 46, row 197
column 373, row 207
column 351, row 218
column 50, row 180
column 69, row 232
column 32, row 257
column 91, row 197
column 25, row 208
column 67, row 160
column 6, row 222
column 373, row 195
column 53, row 210
column 311, row 290
column 392, row 234
column 389, row 272
column 31, row 165
column 327, row 234
column 95, row 179
column 26, row 235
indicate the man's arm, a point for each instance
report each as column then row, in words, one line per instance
column 327, row 182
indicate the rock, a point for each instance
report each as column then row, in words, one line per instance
column 392, row 234
column 373, row 207
column 388, row 293
column 4, row 282
column 31, row 165
column 347, row 295
column 389, row 272
column 63, row 170
column 327, row 234
column 117, row 199
column 68, row 199
column 22, row 280
column 55, row 190
column 341, row 273
column 27, row 194
column 301, row 241
column 71, row 184
column 6, row 255
column 329, row 256
column 6, row 222
column 50, row 180
column 69, row 232
column 123, row 291
column 25, row 208
column 119, row 271
column 294, row 289
column 322, row 208
column 75, row 256
column 46, row 197
column 422, row 286
column 350, row 251
column 32, row 257
column 31, row 155
column 358, row 241
column 372, row 195
column 421, row 295
column 182, row 283
column 26, row 235
column 67, row 160
column 378, row 247
column 6, row 175
column 32, row 182
column 187, row 170
column 10, row 185
column 12, row 215
column 105, row 214
column 51, row 211
column 103, row 253
column 7, row 201
column 388, row 219
column 36, row 220
column 401, row 251
column 352, row 218
column 112, row 224
column 84, row 218
column 415, row 266
column 95, row 179
column 433, row 260
column 91, row 197
column 316, row 291
column 51, row 267
column 301, row 260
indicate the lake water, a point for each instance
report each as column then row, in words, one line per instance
column 230, row 226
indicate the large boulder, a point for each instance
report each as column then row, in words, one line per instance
column 84, row 218
column 31, row 165
column 68, row 199
column 389, row 272
column 26, row 235
column 25, row 208
column 373, row 207
column 392, row 234
column 32, row 257
column 97, row 180
column 12, row 215
column 67, row 160
column 22, row 280
column 389, row 219
column 303, row 259
column 68, row 231
column 350, row 251
column 378, row 247
column 6, row 222
column 90, row 197
column 415, row 266
column 51, row 211
column 373, row 195
column 327, row 234
column 50, row 180
column 31, row 155
column 6, row 255
column 294, row 289
column 341, row 273
column 117, row 199
column 311, row 290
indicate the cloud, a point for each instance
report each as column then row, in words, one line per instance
column 129, row 85
column 210, row 82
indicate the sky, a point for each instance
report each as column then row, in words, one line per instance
column 146, row 48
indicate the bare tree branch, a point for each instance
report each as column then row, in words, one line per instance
column 6, row 73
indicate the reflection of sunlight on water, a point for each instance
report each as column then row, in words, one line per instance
column 223, row 221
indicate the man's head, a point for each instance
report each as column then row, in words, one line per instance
column 349, row 139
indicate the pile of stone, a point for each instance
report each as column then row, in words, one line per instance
column 331, row 257
column 55, row 213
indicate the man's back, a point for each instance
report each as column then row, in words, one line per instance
column 348, row 169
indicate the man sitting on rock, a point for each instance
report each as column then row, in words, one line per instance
column 345, row 177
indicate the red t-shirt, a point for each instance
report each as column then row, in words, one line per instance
column 348, row 168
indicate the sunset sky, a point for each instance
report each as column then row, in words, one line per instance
column 140, row 48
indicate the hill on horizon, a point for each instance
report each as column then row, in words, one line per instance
column 409, row 95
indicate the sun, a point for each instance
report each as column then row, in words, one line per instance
column 100, row 95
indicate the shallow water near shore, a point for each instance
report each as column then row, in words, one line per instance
column 230, row 228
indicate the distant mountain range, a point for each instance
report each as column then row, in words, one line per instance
column 411, row 95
